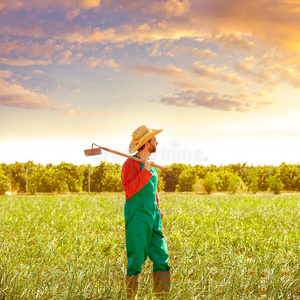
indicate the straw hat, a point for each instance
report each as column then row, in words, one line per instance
column 140, row 136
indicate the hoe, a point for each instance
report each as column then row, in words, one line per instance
column 97, row 151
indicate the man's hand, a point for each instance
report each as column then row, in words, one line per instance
column 148, row 164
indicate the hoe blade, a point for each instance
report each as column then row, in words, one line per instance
column 92, row 152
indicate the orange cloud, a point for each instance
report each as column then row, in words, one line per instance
column 23, row 62
column 232, row 40
column 6, row 4
column 71, row 15
column 275, row 21
column 169, row 71
column 228, row 22
column 34, row 4
column 170, row 8
column 131, row 33
column 183, row 85
column 14, row 95
column 213, row 100
column 169, row 48
column 270, row 68
column 34, row 50
column 208, row 71
column 39, row 72
column 94, row 62
column 87, row 4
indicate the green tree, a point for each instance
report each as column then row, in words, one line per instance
column 54, row 180
column 35, row 175
column 97, row 177
column 171, row 177
column 264, row 172
column 252, row 180
column 74, row 176
column 161, row 182
column 17, row 175
column 230, row 182
column 211, row 181
column 4, row 183
column 236, row 184
column 240, row 169
column 288, row 174
column 112, row 181
column 297, row 183
column 186, row 180
column 275, row 184
column 200, row 171
column 85, row 171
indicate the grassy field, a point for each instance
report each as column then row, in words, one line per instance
column 220, row 247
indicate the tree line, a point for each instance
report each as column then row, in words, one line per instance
column 106, row 177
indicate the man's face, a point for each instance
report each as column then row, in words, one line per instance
column 153, row 145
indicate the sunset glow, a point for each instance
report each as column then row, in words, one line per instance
column 222, row 78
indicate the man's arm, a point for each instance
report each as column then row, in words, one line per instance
column 157, row 201
column 133, row 178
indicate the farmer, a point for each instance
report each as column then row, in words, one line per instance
column 143, row 224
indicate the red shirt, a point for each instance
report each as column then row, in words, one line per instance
column 133, row 179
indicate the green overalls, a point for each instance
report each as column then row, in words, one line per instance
column 143, row 228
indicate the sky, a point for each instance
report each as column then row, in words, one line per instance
column 221, row 78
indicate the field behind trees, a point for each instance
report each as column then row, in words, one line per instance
column 106, row 177
column 220, row 247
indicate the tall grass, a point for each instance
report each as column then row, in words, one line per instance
column 220, row 247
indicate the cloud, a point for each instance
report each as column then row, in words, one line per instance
column 169, row 71
column 77, row 113
column 29, row 48
column 5, row 74
column 232, row 40
column 200, row 53
column 271, row 68
column 208, row 30
column 29, row 5
column 14, row 95
column 170, row 8
column 231, row 23
column 169, row 48
column 143, row 33
column 249, row 68
column 60, row 89
column 14, row 5
column 23, row 62
column 67, row 57
column 275, row 21
column 39, row 72
column 213, row 100
column 71, row 15
column 208, row 71
column 182, row 85
column 289, row 75
column 87, row 4
column 94, row 62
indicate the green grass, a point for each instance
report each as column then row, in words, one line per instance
column 220, row 247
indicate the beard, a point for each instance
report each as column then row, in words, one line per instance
column 152, row 149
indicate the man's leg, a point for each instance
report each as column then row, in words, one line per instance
column 158, row 253
column 161, row 283
column 138, row 234
column 131, row 286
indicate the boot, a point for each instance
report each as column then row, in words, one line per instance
column 161, row 284
column 131, row 286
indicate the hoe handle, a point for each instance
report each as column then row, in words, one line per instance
column 132, row 157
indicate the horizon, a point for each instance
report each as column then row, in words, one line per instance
column 223, row 81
